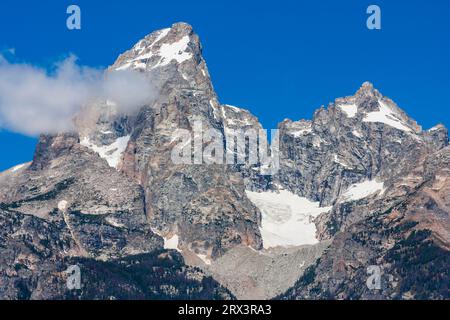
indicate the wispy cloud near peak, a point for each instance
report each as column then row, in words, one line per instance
column 34, row 100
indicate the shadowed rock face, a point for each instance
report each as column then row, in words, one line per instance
column 69, row 207
column 102, row 210
column 111, row 192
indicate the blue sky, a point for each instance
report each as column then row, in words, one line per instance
column 279, row 59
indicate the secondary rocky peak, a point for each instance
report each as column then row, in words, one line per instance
column 438, row 136
column 367, row 89
column 51, row 147
column 438, row 127
column 356, row 139
column 367, row 108
column 296, row 128
column 373, row 108
column 182, row 28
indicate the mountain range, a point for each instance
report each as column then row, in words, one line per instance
column 359, row 187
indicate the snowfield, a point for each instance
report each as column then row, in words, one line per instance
column 349, row 109
column 362, row 190
column 387, row 116
column 111, row 153
column 287, row 219
column 171, row 243
column 166, row 53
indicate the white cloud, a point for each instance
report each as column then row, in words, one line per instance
column 34, row 101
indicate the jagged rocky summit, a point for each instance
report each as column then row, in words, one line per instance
column 360, row 184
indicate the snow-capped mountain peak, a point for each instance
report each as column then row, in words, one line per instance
column 161, row 48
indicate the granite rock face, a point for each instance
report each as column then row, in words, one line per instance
column 356, row 143
column 385, row 179
column 69, row 207
column 102, row 210
column 408, row 243
column 357, row 138
column 110, row 196
column 203, row 205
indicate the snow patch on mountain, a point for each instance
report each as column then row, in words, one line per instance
column 174, row 51
column 204, row 258
column 18, row 167
column 387, row 116
column 436, row 128
column 339, row 161
column 111, row 153
column 140, row 46
column 162, row 34
column 300, row 132
column 350, row 109
column 234, row 108
column 236, row 118
column 62, row 205
column 299, row 128
column 356, row 133
column 362, row 190
column 287, row 219
column 171, row 243
column 216, row 111
column 166, row 53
